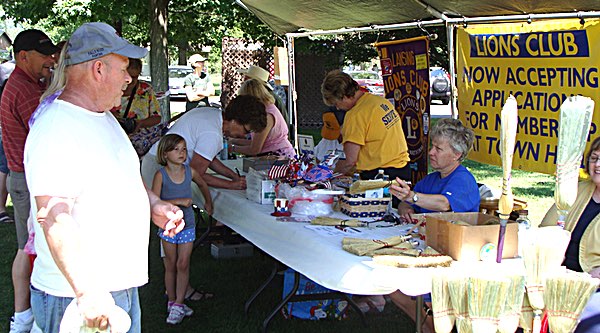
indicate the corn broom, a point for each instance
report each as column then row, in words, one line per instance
column 509, row 318
column 541, row 258
column 486, row 302
column 526, row 317
column 566, row 296
column 573, row 128
column 508, row 134
column 360, row 186
column 457, row 286
column 443, row 312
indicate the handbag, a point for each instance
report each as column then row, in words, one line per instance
column 143, row 139
column 129, row 124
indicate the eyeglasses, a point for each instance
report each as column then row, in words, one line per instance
column 247, row 130
column 593, row 159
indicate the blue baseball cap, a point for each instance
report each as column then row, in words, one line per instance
column 94, row 40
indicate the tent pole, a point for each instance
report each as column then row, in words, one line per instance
column 292, row 96
column 452, row 68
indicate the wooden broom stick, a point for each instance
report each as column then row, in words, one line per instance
column 508, row 134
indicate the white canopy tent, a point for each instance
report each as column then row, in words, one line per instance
column 302, row 18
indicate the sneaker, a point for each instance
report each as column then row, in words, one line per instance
column 186, row 309
column 176, row 315
column 5, row 218
column 20, row 327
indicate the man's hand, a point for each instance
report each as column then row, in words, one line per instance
column 595, row 272
column 238, row 183
column 168, row 217
column 405, row 210
column 95, row 308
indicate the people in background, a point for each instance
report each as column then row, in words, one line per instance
column 91, row 205
column 139, row 103
column 372, row 134
column 273, row 138
column 198, row 85
column 202, row 128
column 33, row 52
column 173, row 184
column 262, row 75
column 451, row 187
column 331, row 133
column 583, row 251
column 6, row 67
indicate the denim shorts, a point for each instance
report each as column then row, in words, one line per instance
column 48, row 310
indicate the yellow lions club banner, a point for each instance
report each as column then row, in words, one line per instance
column 541, row 64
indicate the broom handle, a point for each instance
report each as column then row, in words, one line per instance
column 501, row 234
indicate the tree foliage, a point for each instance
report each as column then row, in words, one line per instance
column 193, row 24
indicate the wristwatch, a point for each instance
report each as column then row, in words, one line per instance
column 415, row 198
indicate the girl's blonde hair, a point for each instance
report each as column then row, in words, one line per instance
column 165, row 145
column 256, row 88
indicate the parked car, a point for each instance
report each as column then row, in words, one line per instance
column 176, row 76
column 370, row 80
column 439, row 83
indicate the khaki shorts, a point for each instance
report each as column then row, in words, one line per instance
column 19, row 195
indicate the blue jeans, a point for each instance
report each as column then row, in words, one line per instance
column 48, row 310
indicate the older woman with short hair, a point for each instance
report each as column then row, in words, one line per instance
column 451, row 187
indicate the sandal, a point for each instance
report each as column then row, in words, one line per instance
column 199, row 295
column 5, row 218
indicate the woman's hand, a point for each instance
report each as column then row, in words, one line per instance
column 208, row 207
column 401, row 191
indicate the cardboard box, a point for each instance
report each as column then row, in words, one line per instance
column 463, row 242
column 261, row 191
column 262, row 163
column 226, row 251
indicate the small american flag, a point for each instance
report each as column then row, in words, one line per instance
column 278, row 171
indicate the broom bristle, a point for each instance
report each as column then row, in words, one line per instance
column 486, row 302
column 361, row 186
column 566, row 296
column 443, row 312
column 526, row 318
column 509, row 318
column 457, row 286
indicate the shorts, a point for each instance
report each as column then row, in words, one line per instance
column 19, row 194
column 187, row 235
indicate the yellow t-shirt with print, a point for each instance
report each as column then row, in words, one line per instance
column 374, row 124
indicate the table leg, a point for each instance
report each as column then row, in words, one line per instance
column 354, row 306
column 262, row 287
column 283, row 302
column 419, row 316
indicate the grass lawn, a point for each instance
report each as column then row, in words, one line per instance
column 233, row 281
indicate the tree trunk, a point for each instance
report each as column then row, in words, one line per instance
column 158, row 53
column 182, row 47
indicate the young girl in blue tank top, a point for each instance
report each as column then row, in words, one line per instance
column 173, row 183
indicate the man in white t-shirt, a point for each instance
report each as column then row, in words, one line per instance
column 202, row 129
column 86, row 190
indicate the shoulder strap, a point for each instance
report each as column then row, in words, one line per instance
column 126, row 112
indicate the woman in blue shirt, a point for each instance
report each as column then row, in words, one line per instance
column 451, row 187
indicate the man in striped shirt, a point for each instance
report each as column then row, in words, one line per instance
column 33, row 52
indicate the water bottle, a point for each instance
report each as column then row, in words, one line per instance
column 356, row 177
column 523, row 233
column 523, row 220
column 386, row 190
column 380, row 174
column 224, row 151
